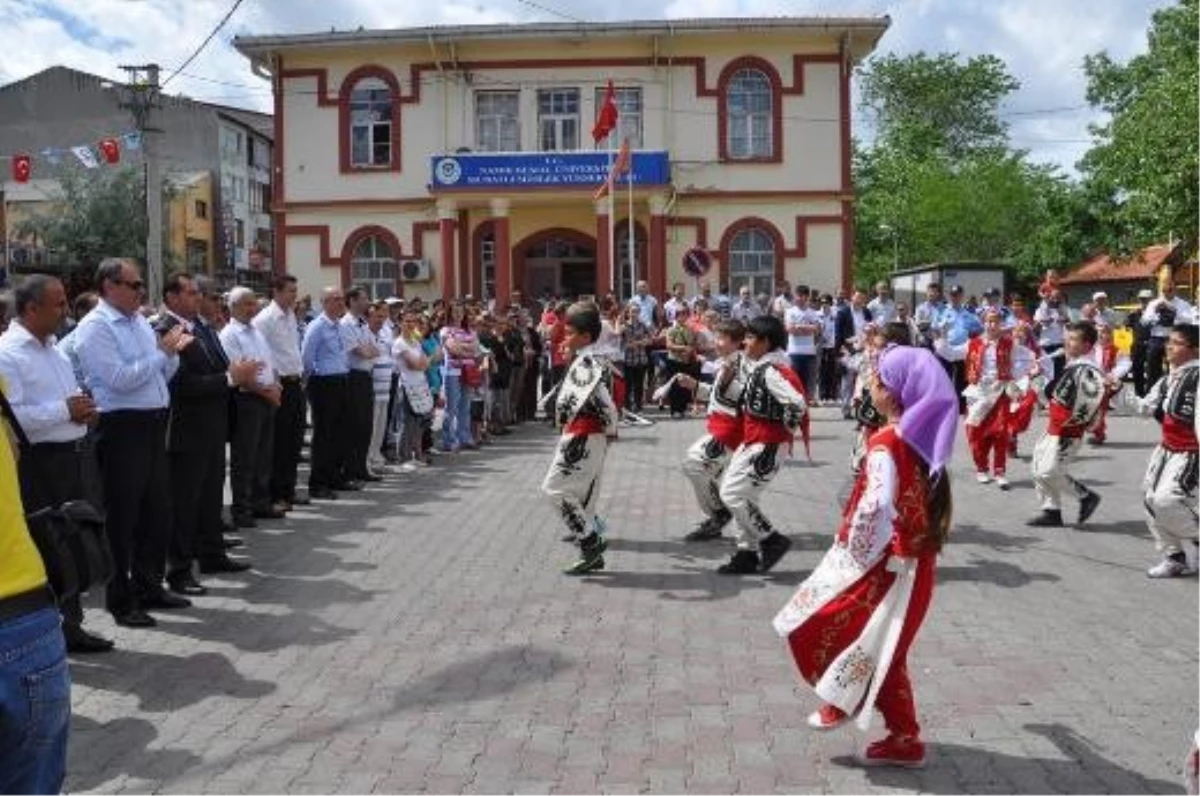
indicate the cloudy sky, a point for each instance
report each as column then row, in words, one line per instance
column 1043, row 41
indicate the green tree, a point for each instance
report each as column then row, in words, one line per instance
column 1142, row 174
column 99, row 213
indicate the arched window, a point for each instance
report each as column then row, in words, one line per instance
column 749, row 113
column 752, row 261
column 373, row 265
column 371, row 104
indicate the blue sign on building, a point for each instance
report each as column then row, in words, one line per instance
column 541, row 169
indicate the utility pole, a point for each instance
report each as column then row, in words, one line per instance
column 140, row 99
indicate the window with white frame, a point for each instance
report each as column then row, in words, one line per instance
column 498, row 121
column 748, row 115
column 558, row 119
column 373, row 265
column 370, row 124
column 752, row 262
column 629, row 117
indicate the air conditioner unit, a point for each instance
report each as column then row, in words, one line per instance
column 416, row 270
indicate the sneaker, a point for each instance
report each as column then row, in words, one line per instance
column 709, row 529
column 982, row 477
column 773, row 548
column 1168, row 568
column 744, row 562
column 1049, row 518
column 895, row 751
column 408, row 467
column 1087, row 506
column 1002, row 482
column 827, row 718
column 592, row 560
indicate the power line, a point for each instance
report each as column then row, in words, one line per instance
column 203, row 44
column 551, row 11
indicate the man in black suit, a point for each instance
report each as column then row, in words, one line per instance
column 197, row 428
column 849, row 323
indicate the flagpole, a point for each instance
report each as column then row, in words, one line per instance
column 632, row 229
column 612, row 251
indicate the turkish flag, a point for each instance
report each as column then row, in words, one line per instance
column 606, row 119
column 109, row 150
column 22, row 167
column 619, row 167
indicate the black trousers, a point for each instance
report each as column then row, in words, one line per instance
column 360, row 416
column 250, row 454
column 678, row 397
column 1138, row 368
column 290, row 419
column 132, row 450
column 327, row 396
column 958, row 376
column 53, row 473
column 635, row 383
column 1156, row 352
column 197, row 497
column 827, row 375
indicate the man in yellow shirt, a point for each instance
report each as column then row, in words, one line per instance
column 35, row 684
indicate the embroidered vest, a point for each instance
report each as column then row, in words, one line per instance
column 1075, row 400
column 1176, row 409
column 757, row 399
column 976, row 349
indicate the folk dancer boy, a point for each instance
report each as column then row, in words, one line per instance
column 993, row 361
column 774, row 405
column 708, row 458
column 1170, row 485
column 585, row 410
column 1114, row 364
column 1075, row 396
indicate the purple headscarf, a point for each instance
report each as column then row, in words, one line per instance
column 929, row 421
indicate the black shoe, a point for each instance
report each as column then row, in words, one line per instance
column 773, row 548
column 321, row 493
column 592, row 559
column 1049, row 518
column 709, row 529
column 348, row 486
column 269, row 514
column 569, row 537
column 244, row 521
column 81, row 642
column 135, row 617
column 163, row 600
column 232, row 543
column 744, row 562
column 186, row 585
column 1087, row 506
column 216, row 566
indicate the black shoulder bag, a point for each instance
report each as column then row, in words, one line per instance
column 70, row 537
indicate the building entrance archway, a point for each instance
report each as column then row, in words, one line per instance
column 559, row 262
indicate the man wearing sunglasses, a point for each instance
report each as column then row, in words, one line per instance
column 126, row 367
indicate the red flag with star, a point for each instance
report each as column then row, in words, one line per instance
column 110, row 150
column 22, row 168
column 606, row 120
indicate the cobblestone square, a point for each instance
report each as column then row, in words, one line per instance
column 419, row 638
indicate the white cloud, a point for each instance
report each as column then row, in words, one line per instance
column 1043, row 42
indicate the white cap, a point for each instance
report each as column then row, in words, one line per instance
column 1145, row 293
column 390, row 300
column 1099, row 294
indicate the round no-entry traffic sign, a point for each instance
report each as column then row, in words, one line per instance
column 696, row 261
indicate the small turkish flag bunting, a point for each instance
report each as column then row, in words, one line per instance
column 109, row 150
column 22, row 168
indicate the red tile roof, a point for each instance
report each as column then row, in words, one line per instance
column 1141, row 267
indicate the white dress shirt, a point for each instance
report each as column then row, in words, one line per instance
column 121, row 361
column 243, row 341
column 278, row 328
column 38, row 380
column 354, row 334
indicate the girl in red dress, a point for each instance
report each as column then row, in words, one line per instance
column 851, row 623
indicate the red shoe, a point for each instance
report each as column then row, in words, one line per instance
column 895, row 751
column 827, row 718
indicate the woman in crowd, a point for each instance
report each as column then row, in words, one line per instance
column 434, row 357
column 681, row 358
column 461, row 348
column 636, row 339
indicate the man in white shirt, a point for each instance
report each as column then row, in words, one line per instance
column 746, row 309
column 782, row 301
column 1051, row 319
column 1105, row 314
column 803, row 324
column 277, row 324
column 882, row 307
column 361, row 351
column 60, row 463
column 1159, row 316
column 673, row 304
column 647, row 305
column 255, row 403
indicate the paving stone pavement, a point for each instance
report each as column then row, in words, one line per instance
column 419, row 638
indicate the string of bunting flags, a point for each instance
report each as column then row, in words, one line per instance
column 107, row 150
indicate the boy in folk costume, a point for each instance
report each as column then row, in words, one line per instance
column 1114, row 364
column 773, row 406
column 1171, row 477
column 588, row 416
column 994, row 360
column 708, row 458
column 1075, row 397
column 851, row 623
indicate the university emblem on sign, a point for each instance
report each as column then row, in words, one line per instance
column 448, row 171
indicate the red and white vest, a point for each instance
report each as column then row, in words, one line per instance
column 976, row 349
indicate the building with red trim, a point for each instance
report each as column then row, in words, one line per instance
column 452, row 161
